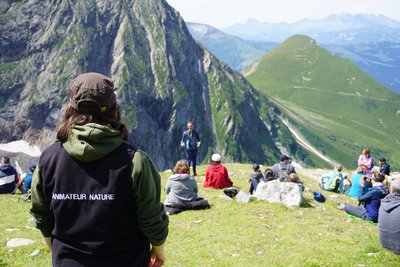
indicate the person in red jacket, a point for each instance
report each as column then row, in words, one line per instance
column 217, row 174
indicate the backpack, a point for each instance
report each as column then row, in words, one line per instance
column 283, row 172
column 331, row 182
column 319, row 197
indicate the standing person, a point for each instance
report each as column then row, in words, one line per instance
column 8, row 177
column 367, row 161
column 181, row 190
column 371, row 200
column 95, row 198
column 283, row 169
column 389, row 218
column 217, row 174
column 384, row 168
column 191, row 142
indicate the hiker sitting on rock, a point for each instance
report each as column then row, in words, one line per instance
column 217, row 174
column 255, row 177
column 181, row 190
column 283, row 169
column 371, row 200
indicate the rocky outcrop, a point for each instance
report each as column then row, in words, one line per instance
column 289, row 194
column 164, row 78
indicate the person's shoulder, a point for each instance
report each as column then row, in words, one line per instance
column 51, row 150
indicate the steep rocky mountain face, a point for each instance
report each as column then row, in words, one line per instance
column 164, row 79
column 334, row 105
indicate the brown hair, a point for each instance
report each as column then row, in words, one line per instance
column 293, row 178
column 361, row 169
column 5, row 160
column 367, row 151
column 379, row 177
column 72, row 117
column 181, row 167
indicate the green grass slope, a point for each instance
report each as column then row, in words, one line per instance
column 235, row 234
column 336, row 106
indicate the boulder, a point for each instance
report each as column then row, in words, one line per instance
column 290, row 194
column 17, row 242
column 243, row 197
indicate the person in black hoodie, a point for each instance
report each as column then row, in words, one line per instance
column 389, row 219
column 96, row 198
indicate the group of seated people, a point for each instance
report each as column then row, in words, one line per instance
column 181, row 188
column 283, row 171
column 376, row 203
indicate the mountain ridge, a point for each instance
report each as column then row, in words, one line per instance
column 299, row 70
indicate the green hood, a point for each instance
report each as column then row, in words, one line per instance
column 92, row 141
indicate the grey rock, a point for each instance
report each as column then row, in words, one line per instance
column 17, row 242
column 243, row 197
column 290, row 194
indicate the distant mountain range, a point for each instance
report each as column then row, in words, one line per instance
column 236, row 52
column 330, row 102
column 381, row 60
column 341, row 29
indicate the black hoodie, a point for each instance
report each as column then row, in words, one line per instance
column 389, row 227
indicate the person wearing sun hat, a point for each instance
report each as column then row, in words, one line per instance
column 96, row 198
column 216, row 174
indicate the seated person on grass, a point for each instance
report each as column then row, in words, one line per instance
column 255, row 177
column 216, row 174
column 181, row 189
column 369, row 201
column 333, row 181
column 389, row 218
column 356, row 188
column 283, row 169
column 26, row 180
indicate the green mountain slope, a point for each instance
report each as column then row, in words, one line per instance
column 333, row 104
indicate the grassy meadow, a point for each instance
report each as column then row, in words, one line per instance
column 235, row 234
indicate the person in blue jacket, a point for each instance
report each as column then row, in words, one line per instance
column 191, row 142
column 370, row 201
column 25, row 182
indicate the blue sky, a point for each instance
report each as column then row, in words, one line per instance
column 223, row 13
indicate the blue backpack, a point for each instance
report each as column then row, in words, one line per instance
column 319, row 197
